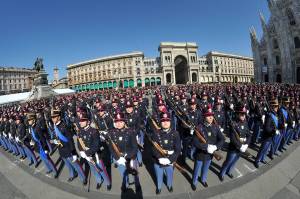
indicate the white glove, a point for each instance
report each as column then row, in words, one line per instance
column 285, row 125
column 170, row 152
column 74, row 158
column 55, row 141
column 102, row 138
column 103, row 132
column 17, row 139
column 222, row 130
column 247, row 112
column 82, row 154
column 9, row 135
column 4, row 134
column 46, row 152
column 244, row 148
column 277, row 132
column 121, row 161
column 263, row 117
column 31, row 143
column 265, row 109
column 192, row 131
column 231, row 106
column 294, row 124
column 164, row 161
column 211, row 148
column 88, row 158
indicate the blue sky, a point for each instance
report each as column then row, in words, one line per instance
column 63, row 32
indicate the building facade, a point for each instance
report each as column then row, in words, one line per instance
column 277, row 53
column 178, row 63
column 15, row 80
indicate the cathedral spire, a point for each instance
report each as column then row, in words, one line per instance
column 263, row 22
column 253, row 35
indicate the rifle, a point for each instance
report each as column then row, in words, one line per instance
column 246, row 153
column 198, row 134
column 85, row 149
column 164, row 153
column 157, row 127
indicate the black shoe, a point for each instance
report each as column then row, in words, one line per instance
column 271, row 157
column 71, row 179
column 283, row 148
column 31, row 163
column 140, row 164
column 230, row 176
column 56, row 176
column 276, row 154
column 193, row 187
column 204, row 184
column 256, row 164
column 124, row 189
column 36, row 165
column 98, row 186
column 221, row 178
column 158, row 191
column 48, row 172
column 138, row 188
column 115, row 165
column 170, row 189
column 108, row 187
column 264, row 162
column 84, row 182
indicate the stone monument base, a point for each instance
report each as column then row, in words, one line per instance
column 41, row 91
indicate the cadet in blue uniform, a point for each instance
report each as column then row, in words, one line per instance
column 271, row 130
column 169, row 141
column 125, row 141
column 204, row 151
column 240, row 138
column 39, row 141
column 89, row 146
column 66, row 148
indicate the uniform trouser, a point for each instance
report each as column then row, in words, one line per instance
column 292, row 135
column 186, row 144
column 74, row 167
column 13, row 147
column 285, row 137
column 3, row 143
column 276, row 140
column 263, row 150
column 49, row 146
column 231, row 159
column 256, row 132
column 203, row 166
column 297, row 132
column 140, row 141
column 30, row 155
column 21, row 149
column 125, row 175
column 159, row 172
column 48, row 163
column 101, row 174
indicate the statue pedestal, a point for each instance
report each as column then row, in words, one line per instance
column 41, row 89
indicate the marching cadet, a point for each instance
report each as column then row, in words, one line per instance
column 204, row 151
column 24, row 138
column 104, row 121
column 66, row 148
column 219, row 114
column 123, row 147
column 240, row 138
column 288, row 123
column 89, row 146
column 39, row 141
column 291, row 123
column 194, row 115
column 134, row 121
column 169, row 141
column 20, row 132
column 271, row 130
column 259, row 119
